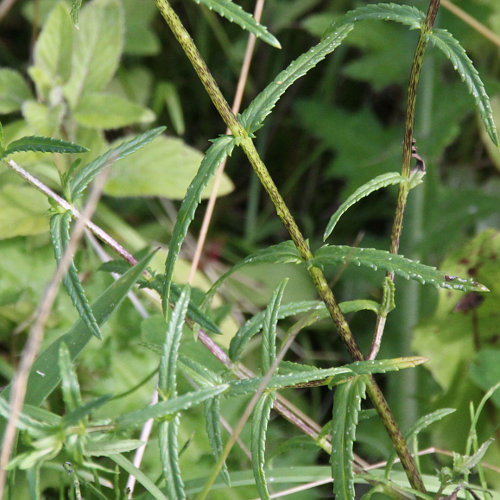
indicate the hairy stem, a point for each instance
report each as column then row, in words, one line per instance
column 286, row 217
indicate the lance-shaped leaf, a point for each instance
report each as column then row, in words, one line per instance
column 260, row 420
column 346, row 406
column 253, row 117
column 69, row 382
column 82, row 411
column 375, row 184
column 254, row 324
column 222, row 147
column 169, row 407
column 87, row 174
column 452, row 49
column 42, row 145
column 282, row 253
column 59, row 232
column 106, row 448
column 406, row 268
column 44, row 375
column 29, row 422
column 169, row 454
column 234, row 13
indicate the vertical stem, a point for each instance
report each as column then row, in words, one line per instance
column 286, row 217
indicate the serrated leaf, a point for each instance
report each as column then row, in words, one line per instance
column 452, row 49
column 59, row 232
column 254, row 324
column 80, row 412
column 109, row 111
column 97, row 49
column 404, row 14
column 253, row 117
column 406, row 268
column 260, row 420
column 416, row 428
column 217, row 152
column 212, row 425
column 235, row 14
column 13, row 91
column 167, row 385
column 282, row 253
column 375, row 184
column 169, row 454
column 105, row 448
column 52, row 54
column 269, row 327
column 87, row 174
column 44, row 375
column 142, row 479
column 69, row 382
column 43, row 145
column 169, row 407
column 346, row 406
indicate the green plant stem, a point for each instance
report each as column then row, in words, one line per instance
column 283, row 212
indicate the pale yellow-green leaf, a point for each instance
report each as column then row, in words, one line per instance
column 54, row 46
column 105, row 111
column 140, row 38
column 164, row 167
column 43, row 120
column 98, row 47
column 13, row 90
column 23, row 211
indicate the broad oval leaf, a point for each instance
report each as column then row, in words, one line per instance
column 253, row 117
column 452, row 49
column 375, row 184
column 346, row 406
column 222, row 147
column 234, row 13
column 260, row 420
column 13, row 91
column 87, row 174
column 59, row 232
column 406, row 268
column 43, row 145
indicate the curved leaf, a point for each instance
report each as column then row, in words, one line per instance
column 235, row 14
column 169, row 454
column 375, row 184
column 452, row 49
column 346, row 406
column 70, row 387
column 406, row 268
column 87, row 174
column 260, row 420
column 221, row 147
column 59, row 232
column 253, row 117
column 42, row 145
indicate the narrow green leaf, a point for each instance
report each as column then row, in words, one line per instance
column 103, row 448
column 198, row 372
column 346, row 406
column 253, row 117
column 44, row 375
column 212, row 425
column 375, row 184
column 169, row 407
column 25, row 422
column 452, row 49
column 82, row 411
column 474, row 460
column 282, row 253
column 221, row 147
column 167, row 385
column 75, row 11
column 87, row 174
column 269, row 327
column 235, row 14
column 421, row 424
column 254, row 324
column 59, row 232
column 129, row 467
column 169, row 454
column 69, row 382
column 406, row 268
column 404, row 14
column 43, row 145
column 388, row 303
column 260, row 420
